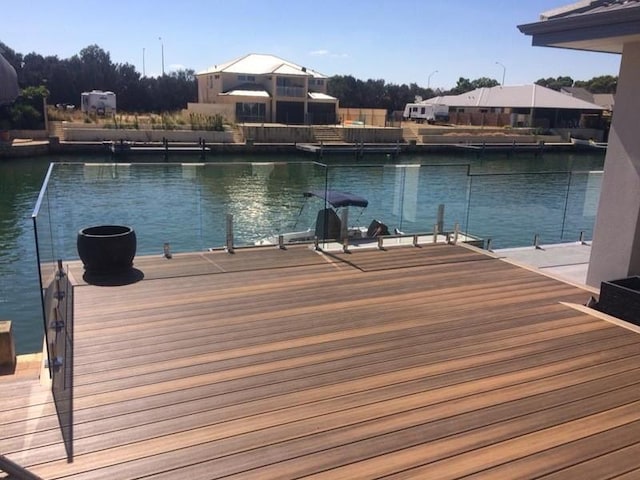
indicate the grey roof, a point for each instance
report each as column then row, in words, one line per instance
column 9, row 89
column 261, row 64
column 518, row 96
column 578, row 92
column 588, row 7
column 605, row 100
column 594, row 25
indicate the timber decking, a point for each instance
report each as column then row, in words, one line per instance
column 432, row 362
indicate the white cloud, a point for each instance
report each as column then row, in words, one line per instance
column 327, row 53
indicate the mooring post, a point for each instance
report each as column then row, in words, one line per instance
column 415, row 240
column 281, row 242
column 441, row 217
column 60, row 272
column 229, row 244
column 344, row 223
column 536, row 241
column 7, row 346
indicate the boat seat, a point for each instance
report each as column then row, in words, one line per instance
column 327, row 224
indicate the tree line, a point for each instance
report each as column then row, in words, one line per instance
column 92, row 68
column 601, row 84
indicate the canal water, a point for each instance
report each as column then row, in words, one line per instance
column 185, row 202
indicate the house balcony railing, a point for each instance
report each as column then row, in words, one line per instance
column 297, row 92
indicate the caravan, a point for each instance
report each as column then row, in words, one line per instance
column 98, row 102
column 429, row 112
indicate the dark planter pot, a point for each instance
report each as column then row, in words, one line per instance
column 621, row 298
column 107, row 249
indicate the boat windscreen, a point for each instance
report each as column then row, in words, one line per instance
column 339, row 199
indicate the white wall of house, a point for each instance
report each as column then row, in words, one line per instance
column 615, row 250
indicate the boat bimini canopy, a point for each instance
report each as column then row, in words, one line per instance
column 339, row 199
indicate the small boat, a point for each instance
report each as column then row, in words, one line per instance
column 332, row 221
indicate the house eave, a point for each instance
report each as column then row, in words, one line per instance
column 602, row 32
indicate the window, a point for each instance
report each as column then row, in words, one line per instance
column 250, row 112
column 246, row 78
column 290, row 87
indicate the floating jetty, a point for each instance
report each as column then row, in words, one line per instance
column 512, row 147
column 123, row 148
column 358, row 149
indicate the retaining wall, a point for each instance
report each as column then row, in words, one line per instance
column 93, row 134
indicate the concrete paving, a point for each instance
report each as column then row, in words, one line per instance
column 568, row 261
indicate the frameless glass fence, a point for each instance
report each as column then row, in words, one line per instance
column 407, row 198
column 520, row 209
column 45, row 250
column 57, row 308
column 91, row 194
column 186, row 205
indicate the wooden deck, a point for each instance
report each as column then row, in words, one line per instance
column 432, row 362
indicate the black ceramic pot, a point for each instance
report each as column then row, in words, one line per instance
column 107, row 248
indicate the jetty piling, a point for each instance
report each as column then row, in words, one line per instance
column 7, row 347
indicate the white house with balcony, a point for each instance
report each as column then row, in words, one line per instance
column 260, row 88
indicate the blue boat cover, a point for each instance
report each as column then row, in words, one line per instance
column 339, row 199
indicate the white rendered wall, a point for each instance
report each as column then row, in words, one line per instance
column 615, row 252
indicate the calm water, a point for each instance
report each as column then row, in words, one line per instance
column 508, row 199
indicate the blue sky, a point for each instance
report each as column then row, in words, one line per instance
column 400, row 41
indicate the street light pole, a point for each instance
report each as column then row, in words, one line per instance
column 162, row 50
column 429, row 79
column 504, row 71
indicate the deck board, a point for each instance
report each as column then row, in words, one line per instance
column 427, row 362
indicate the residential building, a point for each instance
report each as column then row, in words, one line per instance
column 265, row 88
column 519, row 106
